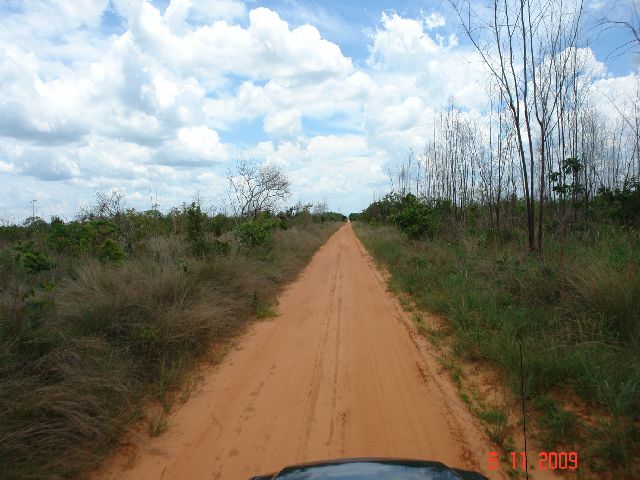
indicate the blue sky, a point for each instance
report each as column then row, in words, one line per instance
column 133, row 94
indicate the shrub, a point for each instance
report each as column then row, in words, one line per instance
column 414, row 218
column 110, row 251
column 221, row 224
column 623, row 204
column 195, row 228
column 31, row 259
column 255, row 233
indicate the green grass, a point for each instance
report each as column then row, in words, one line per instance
column 495, row 423
column 556, row 425
column 575, row 310
column 157, row 424
column 405, row 303
column 84, row 346
column 265, row 309
column 418, row 321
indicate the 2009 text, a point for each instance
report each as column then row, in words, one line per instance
column 546, row 460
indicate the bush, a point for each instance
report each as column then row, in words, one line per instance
column 622, row 204
column 32, row 260
column 255, row 233
column 195, row 219
column 110, row 251
column 414, row 218
column 221, row 224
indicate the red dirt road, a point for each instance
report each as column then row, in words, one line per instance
column 338, row 374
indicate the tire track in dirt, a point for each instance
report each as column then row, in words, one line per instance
column 337, row 374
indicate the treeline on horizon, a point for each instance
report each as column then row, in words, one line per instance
column 109, row 231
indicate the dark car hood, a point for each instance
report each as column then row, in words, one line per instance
column 372, row 469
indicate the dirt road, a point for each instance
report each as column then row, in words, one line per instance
column 337, row 374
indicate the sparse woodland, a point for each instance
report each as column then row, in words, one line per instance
column 520, row 226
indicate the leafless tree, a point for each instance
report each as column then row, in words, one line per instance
column 320, row 207
column 521, row 43
column 255, row 188
column 110, row 204
column 623, row 16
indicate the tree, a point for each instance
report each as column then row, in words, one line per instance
column 526, row 52
column 256, row 188
column 110, row 205
column 624, row 16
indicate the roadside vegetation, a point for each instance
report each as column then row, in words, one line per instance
column 519, row 225
column 575, row 310
column 106, row 314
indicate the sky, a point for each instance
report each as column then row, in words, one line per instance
column 164, row 96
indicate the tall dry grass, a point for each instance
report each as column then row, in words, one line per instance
column 77, row 362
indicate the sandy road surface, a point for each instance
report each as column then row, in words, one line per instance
column 337, row 374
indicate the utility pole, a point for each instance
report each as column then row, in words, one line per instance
column 33, row 209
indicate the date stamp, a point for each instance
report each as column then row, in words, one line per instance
column 546, row 460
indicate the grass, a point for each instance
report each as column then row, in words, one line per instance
column 157, row 424
column 84, row 346
column 495, row 423
column 556, row 425
column 265, row 309
column 405, row 303
column 575, row 310
column 418, row 321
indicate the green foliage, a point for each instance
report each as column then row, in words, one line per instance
column 556, row 425
column 265, row 309
column 332, row 217
column 418, row 321
column 414, row 217
column 79, row 237
column 195, row 220
column 622, row 204
column 570, row 167
column 495, row 423
column 257, row 233
column 32, row 260
column 221, row 224
column 110, row 252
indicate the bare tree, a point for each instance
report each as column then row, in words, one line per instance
column 110, row 204
column 320, row 207
column 256, row 188
column 623, row 16
column 520, row 42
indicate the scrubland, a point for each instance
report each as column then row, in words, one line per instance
column 102, row 317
